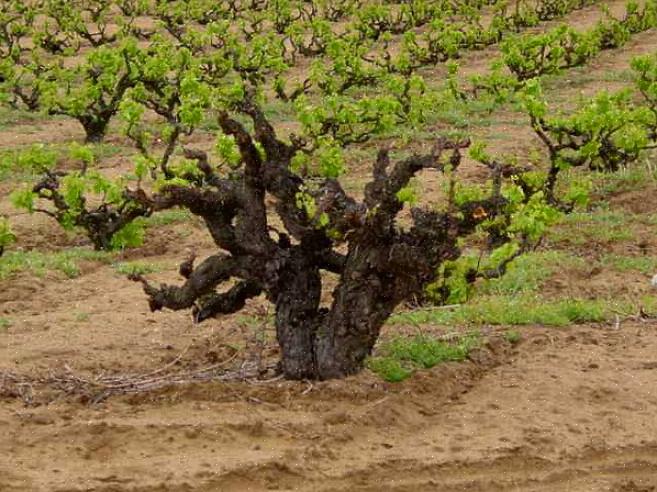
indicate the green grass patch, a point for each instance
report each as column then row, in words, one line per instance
column 11, row 116
column 278, row 111
column 469, row 114
column 4, row 324
column 642, row 264
column 601, row 225
column 389, row 369
column 106, row 150
column 528, row 272
column 639, row 176
column 137, row 267
column 166, row 217
column 426, row 351
column 577, row 77
column 400, row 357
column 511, row 310
column 39, row 263
column 67, row 262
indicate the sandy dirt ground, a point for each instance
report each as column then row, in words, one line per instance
column 564, row 410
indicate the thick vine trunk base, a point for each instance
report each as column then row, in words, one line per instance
column 378, row 263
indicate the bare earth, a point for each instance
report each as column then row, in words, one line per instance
column 566, row 409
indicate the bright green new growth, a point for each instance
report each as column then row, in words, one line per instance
column 606, row 133
column 6, row 236
column 110, row 225
column 529, row 56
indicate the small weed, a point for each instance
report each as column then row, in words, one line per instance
column 257, row 325
column 4, row 324
column 81, row 317
column 257, row 331
column 254, row 321
column 512, row 336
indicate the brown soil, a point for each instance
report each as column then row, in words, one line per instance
column 563, row 410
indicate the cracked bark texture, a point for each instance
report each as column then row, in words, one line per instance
column 384, row 264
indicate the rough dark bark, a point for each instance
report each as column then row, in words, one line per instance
column 95, row 126
column 384, row 264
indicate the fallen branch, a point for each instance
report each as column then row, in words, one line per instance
column 96, row 389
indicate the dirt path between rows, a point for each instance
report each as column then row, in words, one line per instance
column 566, row 409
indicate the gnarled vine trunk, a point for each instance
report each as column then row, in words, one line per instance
column 95, row 127
column 383, row 265
column 329, row 342
column 298, row 317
